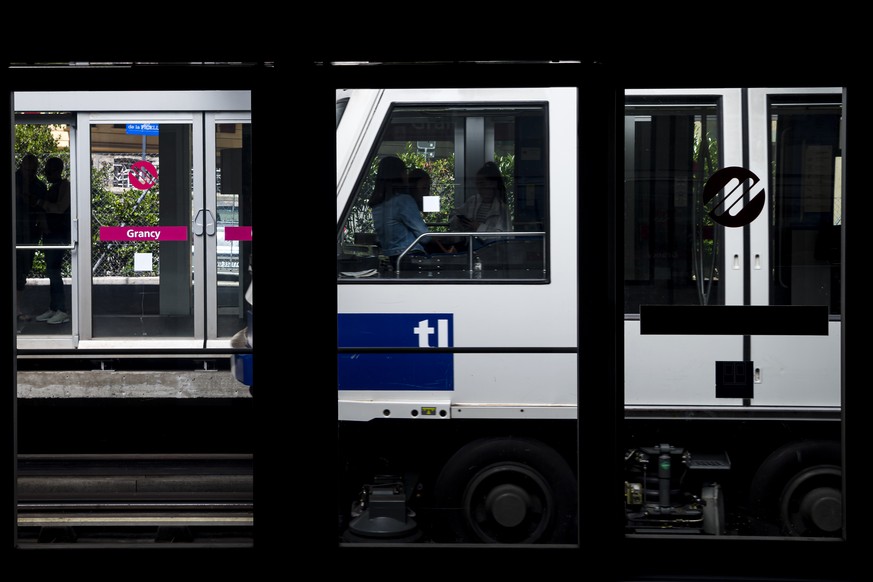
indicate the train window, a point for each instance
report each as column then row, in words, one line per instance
column 806, row 205
column 470, row 186
column 672, row 248
column 340, row 109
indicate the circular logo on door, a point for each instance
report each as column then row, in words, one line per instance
column 740, row 191
column 142, row 175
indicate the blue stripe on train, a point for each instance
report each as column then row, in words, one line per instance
column 393, row 371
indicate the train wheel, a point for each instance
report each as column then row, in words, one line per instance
column 506, row 490
column 812, row 503
column 799, row 488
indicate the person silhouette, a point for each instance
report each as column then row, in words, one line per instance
column 396, row 215
column 487, row 209
column 56, row 205
column 28, row 189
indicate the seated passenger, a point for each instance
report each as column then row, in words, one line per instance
column 487, row 210
column 396, row 216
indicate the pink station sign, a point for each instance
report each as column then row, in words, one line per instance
column 237, row 233
column 143, row 233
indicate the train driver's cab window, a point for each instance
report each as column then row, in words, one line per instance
column 451, row 193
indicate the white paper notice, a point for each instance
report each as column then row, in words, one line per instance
column 142, row 262
column 431, row 203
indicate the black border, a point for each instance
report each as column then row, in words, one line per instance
column 295, row 446
column 605, row 551
column 260, row 79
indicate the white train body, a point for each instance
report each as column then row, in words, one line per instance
column 433, row 342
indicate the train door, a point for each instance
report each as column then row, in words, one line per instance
column 733, row 212
column 160, row 217
column 674, row 253
column 795, row 249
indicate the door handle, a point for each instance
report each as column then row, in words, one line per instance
column 204, row 223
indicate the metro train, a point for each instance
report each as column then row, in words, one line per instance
column 461, row 376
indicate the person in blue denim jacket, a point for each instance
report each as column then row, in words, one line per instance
column 396, row 215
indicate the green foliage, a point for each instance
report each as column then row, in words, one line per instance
column 709, row 161
column 705, row 158
column 108, row 208
column 35, row 139
column 705, row 164
column 360, row 219
column 39, row 141
column 506, row 163
column 442, row 176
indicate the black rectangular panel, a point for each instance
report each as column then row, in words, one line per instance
column 734, row 319
column 734, row 380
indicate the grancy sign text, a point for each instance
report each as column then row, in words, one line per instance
column 143, row 233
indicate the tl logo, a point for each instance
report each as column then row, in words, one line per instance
column 401, row 330
column 366, row 360
column 423, row 330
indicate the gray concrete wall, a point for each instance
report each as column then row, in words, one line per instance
column 130, row 384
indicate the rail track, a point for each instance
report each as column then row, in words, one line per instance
column 124, row 499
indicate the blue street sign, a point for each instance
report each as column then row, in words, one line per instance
column 142, row 128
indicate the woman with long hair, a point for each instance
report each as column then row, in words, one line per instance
column 485, row 211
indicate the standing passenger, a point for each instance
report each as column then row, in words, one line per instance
column 28, row 190
column 56, row 205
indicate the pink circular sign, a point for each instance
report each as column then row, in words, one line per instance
column 142, row 175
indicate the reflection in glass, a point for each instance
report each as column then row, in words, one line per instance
column 433, row 143
column 806, row 206
column 232, row 212
column 35, row 144
column 672, row 247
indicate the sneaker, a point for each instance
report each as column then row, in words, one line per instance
column 58, row 317
column 45, row 316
